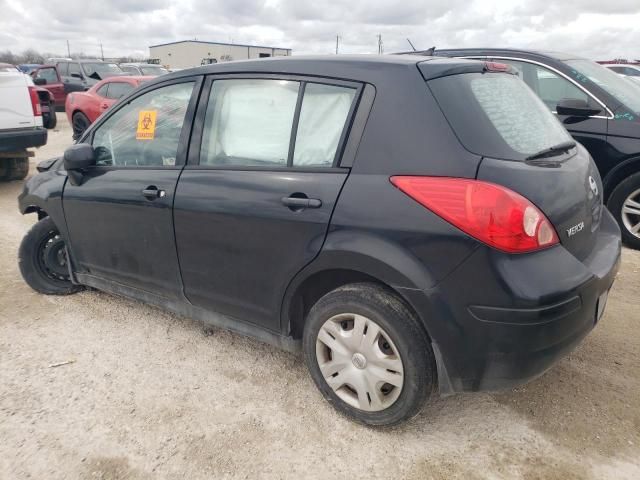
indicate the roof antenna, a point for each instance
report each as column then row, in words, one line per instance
column 414, row 48
column 429, row 52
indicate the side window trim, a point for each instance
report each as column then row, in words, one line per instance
column 185, row 134
column 559, row 73
column 193, row 161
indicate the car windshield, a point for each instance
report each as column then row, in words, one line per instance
column 623, row 90
column 99, row 68
column 153, row 70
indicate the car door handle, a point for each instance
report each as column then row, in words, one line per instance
column 104, row 106
column 152, row 192
column 300, row 203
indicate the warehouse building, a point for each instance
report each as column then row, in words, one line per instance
column 192, row 53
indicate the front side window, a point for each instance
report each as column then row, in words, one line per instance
column 548, row 85
column 49, row 74
column 145, row 131
column 103, row 90
column 74, row 70
column 118, row 89
column 63, row 69
column 626, row 92
column 324, row 111
column 130, row 69
column 249, row 122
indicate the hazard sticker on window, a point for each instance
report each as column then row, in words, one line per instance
column 146, row 125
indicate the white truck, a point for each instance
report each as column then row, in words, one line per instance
column 21, row 124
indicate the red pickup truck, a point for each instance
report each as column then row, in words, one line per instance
column 48, row 77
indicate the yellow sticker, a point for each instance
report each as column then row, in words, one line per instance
column 146, row 125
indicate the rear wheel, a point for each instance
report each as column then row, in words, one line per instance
column 368, row 355
column 624, row 203
column 51, row 119
column 43, row 260
column 79, row 123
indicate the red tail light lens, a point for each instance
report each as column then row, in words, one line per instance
column 35, row 102
column 491, row 213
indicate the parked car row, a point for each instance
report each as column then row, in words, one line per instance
column 413, row 224
column 25, row 115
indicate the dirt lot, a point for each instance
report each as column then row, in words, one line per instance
column 151, row 395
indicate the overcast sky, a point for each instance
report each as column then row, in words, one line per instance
column 598, row 29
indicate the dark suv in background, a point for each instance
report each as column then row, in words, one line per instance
column 600, row 109
column 86, row 73
column 414, row 224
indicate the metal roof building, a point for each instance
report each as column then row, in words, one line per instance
column 192, row 53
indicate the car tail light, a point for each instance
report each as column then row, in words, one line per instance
column 491, row 213
column 35, row 102
column 496, row 67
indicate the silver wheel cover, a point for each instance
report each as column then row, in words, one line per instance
column 631, row 213
column 359, row 362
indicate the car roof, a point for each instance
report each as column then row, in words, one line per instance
column 510, row 52
column 83, row 60
column 363, row 67
column 136, row 78
column 141, row 64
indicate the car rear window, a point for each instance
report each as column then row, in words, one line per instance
column 497, row 115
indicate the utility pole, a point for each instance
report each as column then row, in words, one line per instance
column 68, row 50
column 380, row 44
column 337, row 42
column 101, row 52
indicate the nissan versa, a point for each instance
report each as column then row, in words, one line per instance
column 416, row 225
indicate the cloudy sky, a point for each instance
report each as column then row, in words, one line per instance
column 597, row 29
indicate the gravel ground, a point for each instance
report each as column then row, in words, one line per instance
column 154, row 395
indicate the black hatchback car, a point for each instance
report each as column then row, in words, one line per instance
column 414, row 224
column 601, row 110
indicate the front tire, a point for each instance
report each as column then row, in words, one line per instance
column 368, row 354
column 79, row 122
column 43, row 260
column 624, row 204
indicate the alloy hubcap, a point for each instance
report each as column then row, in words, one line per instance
column 360, row 362
column 631, row 213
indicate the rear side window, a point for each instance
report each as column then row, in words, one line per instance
column 497, row 115
column 323, row 115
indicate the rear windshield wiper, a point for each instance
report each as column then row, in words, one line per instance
column 555, row 150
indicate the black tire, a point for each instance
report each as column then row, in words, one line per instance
column 52, row 119
column 79, row 123
column 627, row 188
column 40, row 248
column 16, row 168
column 402, row 328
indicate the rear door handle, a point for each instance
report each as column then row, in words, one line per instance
column 152, row 192
column 297, row 203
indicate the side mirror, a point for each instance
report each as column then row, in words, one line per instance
column 40, row 81
column 79, row 156
column 574, row 107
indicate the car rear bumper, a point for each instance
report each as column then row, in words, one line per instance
column 21, row 138
column 500, row 320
